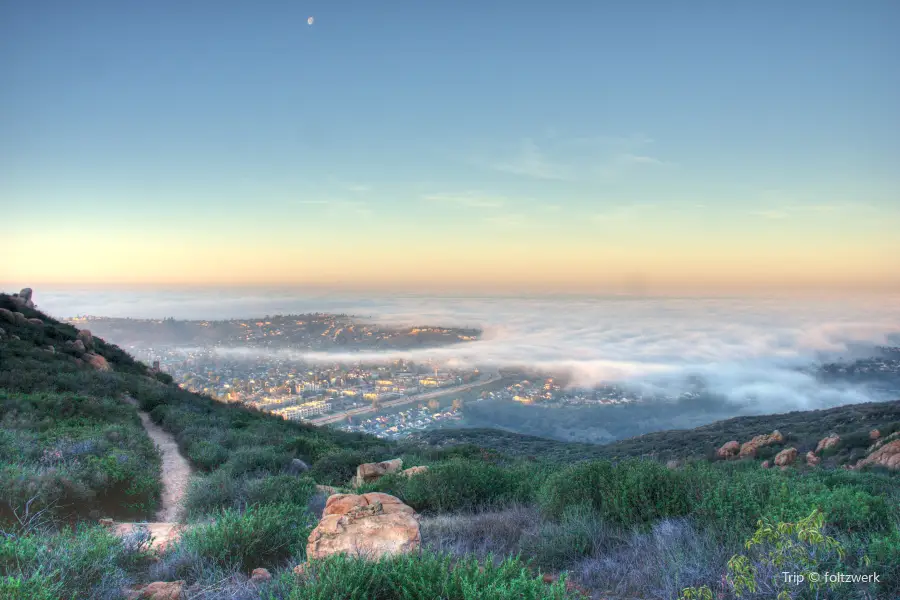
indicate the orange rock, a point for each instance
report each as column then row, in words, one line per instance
column 374, row 525
column 414, row 471
column 161, row 590
column 97, row 361
column 260, row 575
column 749, row 449
column 369, row 472
column 887, row 456
column 728, row 450
column 828, row 442
column 786, row 457
column 812, row 460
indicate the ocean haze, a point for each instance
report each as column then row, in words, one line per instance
column 751, row 351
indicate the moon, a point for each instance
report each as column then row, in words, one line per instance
column 310, row 21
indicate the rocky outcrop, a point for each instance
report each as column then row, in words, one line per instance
column 827, row 442
column 414, row 471
column 874, row 434
column 812, row 460
column 19, row 319
column 86, row 338
column 23, row 298
column 886, row 455
column 7, row 315
column 729, row 450
column 369, row 472
column 749, row 449
column 96, row 361
column 786, row 457
column 368, row 525
column 77, row 346
column 260, row 575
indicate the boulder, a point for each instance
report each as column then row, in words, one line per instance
column 765, row 464
column 7, row 315
column 19, row 319
column 51, row 349
column 97, row 361
column 729, row 450
column 85, row 337
column 77, row 346
column 260, row 575
column 36, row 321
column 874, row 434
column 369, row 526
column 369, row 472
column 160, row 590
column 827, row 442
column 887, row 456
column 786, row 457
column 414, row 471
column 24, row 296
column 812, row 460
column 748, row 449
column 297, row 467
column 673, row 464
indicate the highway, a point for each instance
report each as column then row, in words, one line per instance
column 484, row 379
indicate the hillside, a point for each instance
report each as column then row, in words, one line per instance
column 500, row 516
column 802, row 429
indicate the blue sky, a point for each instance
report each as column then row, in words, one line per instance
column 764, row 123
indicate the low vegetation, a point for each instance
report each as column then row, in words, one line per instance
column 502, row 516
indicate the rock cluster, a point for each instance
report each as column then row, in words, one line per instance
column 369, row 525
column 884, row 453
column 82, row 346
column 748, row 449
column 413, row 471
column 158, row 590
column 23, row 298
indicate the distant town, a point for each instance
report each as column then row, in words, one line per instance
column 232, row 361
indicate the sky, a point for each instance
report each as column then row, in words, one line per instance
column 561, row 147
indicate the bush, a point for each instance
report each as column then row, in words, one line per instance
column 219, row 490
column 631, row 492
column 338, row 468
column 261, row 536
column 423, row 575
column 460, row 485
column 207, row 455
column 247, row 460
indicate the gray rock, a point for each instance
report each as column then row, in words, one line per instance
column 86, row 338
column 77, row 346
column 297, row 466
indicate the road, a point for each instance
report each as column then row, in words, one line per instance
column 484, row 379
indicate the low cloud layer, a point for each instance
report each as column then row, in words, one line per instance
column 747, row 350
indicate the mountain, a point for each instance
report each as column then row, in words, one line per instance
column 94, row 443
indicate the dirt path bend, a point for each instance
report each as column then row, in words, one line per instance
column 176, row 471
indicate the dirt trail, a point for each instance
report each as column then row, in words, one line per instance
column 176, row 471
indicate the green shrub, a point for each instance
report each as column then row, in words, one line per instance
column 247, row 460
column 261, row 536
column 461, row 484
column 423, row 575
column 631, row 492
column 338, row 468
column 207, row 455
